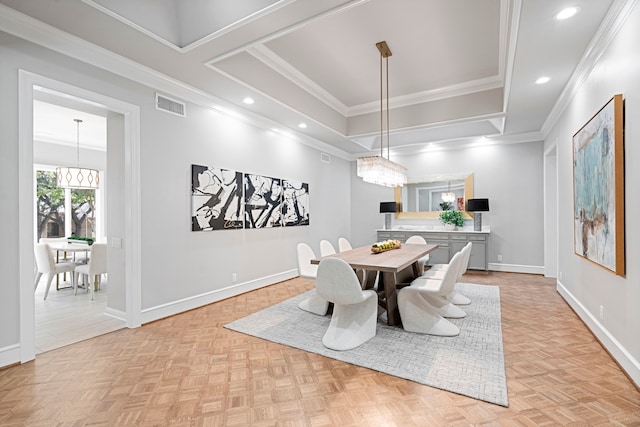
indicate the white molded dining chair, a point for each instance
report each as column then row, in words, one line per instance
column 423, row 307
column 95, row 268
column 45, row 264
column 344, row 245
column 314, row 304
column 419, row 240
column 355, row 312
column 326, row 248
column 437, row 270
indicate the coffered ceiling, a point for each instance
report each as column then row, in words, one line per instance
column 460, row 69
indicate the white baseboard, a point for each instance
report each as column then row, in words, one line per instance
column 516, row 268
column 116, row 314
column 628, row 363
column 175, row 307
column 10, row 355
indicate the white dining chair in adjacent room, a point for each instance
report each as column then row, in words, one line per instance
column 326, row 248
column 419, row 240
column 45, row 264
column 313, row 304
column 344, row 245
column 355, row 311
column 95, row 268
column 423, row 305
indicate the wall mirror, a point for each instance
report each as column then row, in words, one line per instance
column 421, row 197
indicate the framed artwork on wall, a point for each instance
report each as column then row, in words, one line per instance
column 216, row 198
column 295, row 204
column 598, row 188
column 262, row 201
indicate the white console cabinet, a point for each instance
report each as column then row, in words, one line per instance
column 449, row 242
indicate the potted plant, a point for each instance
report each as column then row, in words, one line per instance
column 452, row 219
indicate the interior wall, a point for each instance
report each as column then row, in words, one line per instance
column 177, row 265
column 510, row 176
column 589, row 288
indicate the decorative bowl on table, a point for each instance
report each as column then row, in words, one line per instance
column 385, row 245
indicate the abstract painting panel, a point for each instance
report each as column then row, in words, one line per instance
column 295, row 205
column 598, row 188
column 216, row 198
column 262, row 201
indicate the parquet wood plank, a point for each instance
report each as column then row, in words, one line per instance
column 187, row 370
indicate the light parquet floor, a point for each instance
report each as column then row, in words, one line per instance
column 64, row 318
column 187, row 370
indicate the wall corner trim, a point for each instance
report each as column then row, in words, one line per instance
column 626, row 361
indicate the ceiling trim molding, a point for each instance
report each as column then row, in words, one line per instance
column 279, row 65
column 461, row 144
column 609, row 28
column 283, row 31
column 397, row 131
column 37, row 32
column 212, row 36
column 460, row 89
column 511, row 55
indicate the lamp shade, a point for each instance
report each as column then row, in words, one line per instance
column 477, row 205
column 387, row 207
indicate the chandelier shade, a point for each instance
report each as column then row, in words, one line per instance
column 77, row 177
column 378, row 169
column 381, row 171
column 449, row 197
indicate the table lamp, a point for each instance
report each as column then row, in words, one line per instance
column 477, row 206
column 387, row 208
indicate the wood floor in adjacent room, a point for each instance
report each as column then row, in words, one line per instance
column 187, row 370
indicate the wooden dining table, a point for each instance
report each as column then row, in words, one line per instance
column 395, row 268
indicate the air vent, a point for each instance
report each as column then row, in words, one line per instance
column 171, row 105
column 325, row 157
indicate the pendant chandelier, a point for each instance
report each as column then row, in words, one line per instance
column 449, row 196
column 378, row 169
column 77, row 177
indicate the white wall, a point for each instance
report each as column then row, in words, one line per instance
column 510, row 176
column 180, row 268
column 585, row 285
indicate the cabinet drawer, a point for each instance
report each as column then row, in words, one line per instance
column 434, row 237
column 463, row 237
column 384, row 235
column 478, row 237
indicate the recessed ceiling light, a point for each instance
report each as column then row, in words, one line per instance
column 302, row 125
column 542, row 80
column 567, row 13
column 248, row 100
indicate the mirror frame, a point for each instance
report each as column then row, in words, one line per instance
column 468, row 194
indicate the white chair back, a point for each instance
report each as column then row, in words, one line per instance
column 305, row 255
column 98, row 259
column 344, row 245
column 416, row 240
column 326, row 248
column 338, row 283
column 451, row 274
column 44, row 258
column 464, row 263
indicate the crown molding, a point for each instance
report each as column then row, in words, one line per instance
column 199, row 42
column 37, row 32
column 279, row 65
column 607, row 31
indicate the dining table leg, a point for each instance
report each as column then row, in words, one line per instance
column 388, row 281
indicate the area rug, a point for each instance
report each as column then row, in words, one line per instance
column 471, row 364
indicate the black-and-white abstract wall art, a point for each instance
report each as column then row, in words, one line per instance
column 295, row 205
column 262, row 201
column 216, row 198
